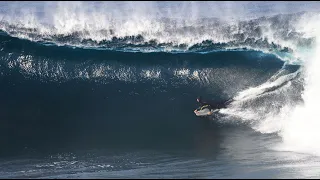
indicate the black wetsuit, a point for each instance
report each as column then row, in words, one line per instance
column 214, row 104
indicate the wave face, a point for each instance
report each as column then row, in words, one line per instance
column 94, row 96
column 74, row 77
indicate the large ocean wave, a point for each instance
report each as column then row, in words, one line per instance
column 59, row 67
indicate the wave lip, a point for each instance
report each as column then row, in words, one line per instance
column 275, row 34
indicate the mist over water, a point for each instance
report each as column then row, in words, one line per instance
column 304, row 118
column 160, row 26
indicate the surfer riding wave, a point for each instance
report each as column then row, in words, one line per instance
column 208, row 107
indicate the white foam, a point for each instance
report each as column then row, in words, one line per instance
column 260, row 106
column 254, row 92
column 301, row 132
column 297, row 123
column 114, row 19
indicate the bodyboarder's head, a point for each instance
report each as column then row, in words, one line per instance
column 199, row 98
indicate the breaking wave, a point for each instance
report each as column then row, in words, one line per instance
column 266, row 64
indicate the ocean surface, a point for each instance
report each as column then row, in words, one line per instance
column 108, row 89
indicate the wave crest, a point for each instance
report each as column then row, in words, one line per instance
column 276, row 34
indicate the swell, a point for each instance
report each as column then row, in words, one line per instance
column 97, row 87
column 72, row 97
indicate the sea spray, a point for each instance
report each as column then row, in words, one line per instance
column 301, row 131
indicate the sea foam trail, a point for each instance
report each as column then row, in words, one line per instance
column 296, row 122
column 259, row 105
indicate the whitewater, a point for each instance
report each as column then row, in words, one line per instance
column 107, row 89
